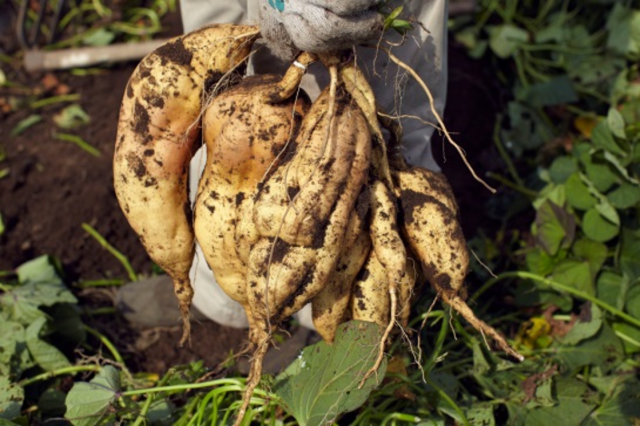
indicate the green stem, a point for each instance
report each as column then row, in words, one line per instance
column 406, row 418
column 60, row 372
column 101, row 311
column 451, row 402
column 105, row 341
column 503, row 153
column 437, row 350
column 520, row 68
column 190, row 386
column 556, row 48
column 100, row 283
column 506, row 182
column 591, row 92
column 451, row 365
column 54, row 100
column 104, row 243
column 142, row 415
column 561, row 287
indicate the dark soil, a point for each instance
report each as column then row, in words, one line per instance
column 53, row 187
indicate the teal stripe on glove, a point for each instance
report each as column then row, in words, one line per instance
column 277, row 4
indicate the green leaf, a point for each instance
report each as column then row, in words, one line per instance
column 604, row 350
column 599, row 174
column 598, row 228
column 505, row 39
column 610, row 288
column 586, row 326
column 603, row 138
column 608, row 212
column 323, row 381
column 622, row 169
column 624, row 196
column 481, row 364
column 395, row 13
column 11, row 335
column 481, row 414
column 571, row 407
column 38, row 270
column 556, row 91
column 25, row 124
column 527, row 128
column 562, row 168
column 578, row 195
column 616, row 123
column 468, row 37
column 574, row 274
column 630, row 254
column 71, row 117
column 11, row 398
column 555, row 227
column 624, row 32
column 160, row 413
column 67, row 323
column 41, row 287
column 629, row 335
column 100, row 37
column 633, row 301
column 619, row 408
column 46, row 356
column 51, row 403
column 88, row 402
column 593, row 252
column 607, row 384
column 539, row 262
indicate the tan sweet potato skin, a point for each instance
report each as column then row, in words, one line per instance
column 244, row 133
column 428, row 218
column 157, row 134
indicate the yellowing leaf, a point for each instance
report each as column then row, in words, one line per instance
column 534, row 334
column 585, row 125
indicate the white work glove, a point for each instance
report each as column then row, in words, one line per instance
column 318, row 26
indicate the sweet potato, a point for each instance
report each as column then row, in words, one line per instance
column 429, row 220
column 157, row 133
column 330, row 307
column 284, row 277
column 244, row 128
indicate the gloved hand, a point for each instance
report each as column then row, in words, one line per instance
column 318, row 25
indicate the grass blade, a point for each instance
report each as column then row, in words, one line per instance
column 104, row 243
column 74, row 97
column 25, row 124
column 78, row 141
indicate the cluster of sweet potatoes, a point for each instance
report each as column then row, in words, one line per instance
column 299, row 202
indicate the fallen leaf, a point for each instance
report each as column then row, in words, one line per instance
column 559, row 328
column 49, row 82
column 62, row 89
column 531, row 383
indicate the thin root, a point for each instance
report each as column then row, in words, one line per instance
column 463, row 309
column 253, row 379
column 421, row 82
column 385, row 336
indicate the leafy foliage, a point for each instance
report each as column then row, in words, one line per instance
column 324, row 380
